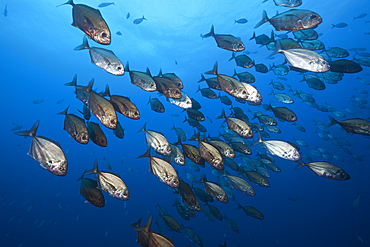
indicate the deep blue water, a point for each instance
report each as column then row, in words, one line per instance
column 40, row 209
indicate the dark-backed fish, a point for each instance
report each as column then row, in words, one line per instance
column 226, row 41
column 75, row 126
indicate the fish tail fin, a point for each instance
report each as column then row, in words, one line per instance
column 300, row 165
column 259, row 139
column 94, row 170
column 137, row 223
column 82, row 176
column 178, row 141
column 222, row 114
column 333, row 26
column 332, row 121
column 143, row 128
column 201, row 78
column 272, row 91
column 254, row 36
column 211, row 33
column 73, row 82
column 198, row 89
column 272, row 38
column 150, row 98
column 277, row 49
column 84, row 45
column 264, row 19
column 145, row 228
column 144, row 18
column 146, row 154
column 232, row 56
column 235, row 73
column 63, row 112
column 195, row 137
column 127, row 67
column 31, row 132
column 148, row 71
column 186, row 119
column 214, row 70
column 239, row 206
column 69, row 2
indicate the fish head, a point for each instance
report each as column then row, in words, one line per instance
column 320, row 65
column 166, row 150
column 238, row 46
column 116, row 69
column 109, row 121
column 102, row 36
column 82, row 138
column 173, row 182
column 180, row 160
column 292, row 117
column 58, row 168
column 311, row 20
column 122, row 194
column 101, row 141
column 247, row 133
column 134, row 114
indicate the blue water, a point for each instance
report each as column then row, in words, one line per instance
column 37, row 58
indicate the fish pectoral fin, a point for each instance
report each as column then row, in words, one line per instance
column 89, row 23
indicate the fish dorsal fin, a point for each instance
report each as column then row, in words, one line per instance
column 145, row 228
column 31, row 132
column 127, row 67
column 64, row 112
column 148, row 72
column 146, row 154
column 222, row 114
column 143, row 128
column 214, row 70
column 73, row 82
column 94, row 170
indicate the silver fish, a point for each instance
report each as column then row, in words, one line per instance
column 156, row 140
column 103, row 58
column 46, row 151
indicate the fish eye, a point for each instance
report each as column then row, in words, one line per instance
column 104, row 35
column 119, row 68
column 112, row 121
column 313, row 17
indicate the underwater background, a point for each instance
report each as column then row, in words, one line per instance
column 40, row 209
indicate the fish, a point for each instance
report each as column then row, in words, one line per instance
column 173, row 77
column 76, row 127
column 179, row 133
column 256, row 178
column 209, row 153
column 85, row 112
column 261, row 68
column 325, row 169
column 162, row 169
column 167, row 87
column 127, row 16
column 282, row 97
column 241, row 21
column 156, row 105
column 190, row 234
column 339, row 25
column 191, row 152
column 103, row 58
column 345, row 66
column 303, row 58
column 245, row 77
column 360, row 16
column 119, row 131
column 223, row 148
column 60, row 101
column 184, row 102
column 229, row 84
column 188, row 197
column 241, row 185
column 5, row 13
column 287, row 3
column 139, row 20
column 214, row 211
column 91, row 22
column 195, row 114
column 156, row 140
column 224, row 99
column 233, row 226
column 141, row 79
column 82, row 92
column 251, row 211
column 242, row 61
column 283, row 113
column 176, row 155
column 214, row 190
column 122, row 105
column 207, row 92
column 96, row 134
column 110, row 183
column 238, row 126
column 306, row 34
column 102, row 5
column 356, row 201
column 88, row 189
column 16, row 127
column 292, row 20
column 356, row 125
column 226, row 41
column 38, row 101
column 46, row 151
column 170, row 223
column 280, row 148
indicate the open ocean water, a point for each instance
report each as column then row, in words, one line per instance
column 38, row 208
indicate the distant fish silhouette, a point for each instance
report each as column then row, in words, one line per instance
column 127, row 16
column 102, row 5
column 139, row 20
column 5, row 13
